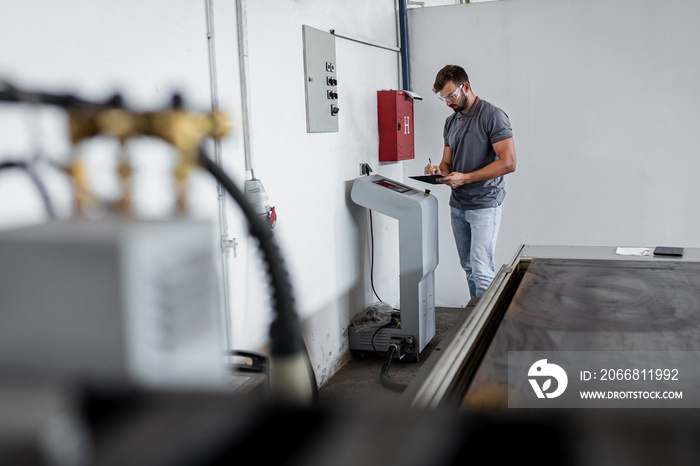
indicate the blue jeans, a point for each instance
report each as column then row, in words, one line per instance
column 475, row 233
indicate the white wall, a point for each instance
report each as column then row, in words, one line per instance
column 146, row 50
column 604, row 105
column 308, row 175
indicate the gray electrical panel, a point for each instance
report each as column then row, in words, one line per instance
column 320, row 80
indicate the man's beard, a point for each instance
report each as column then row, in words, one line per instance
column 461, row 104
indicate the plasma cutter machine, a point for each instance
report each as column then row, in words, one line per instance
column 417, row 214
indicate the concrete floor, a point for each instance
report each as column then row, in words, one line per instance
column 358, row 381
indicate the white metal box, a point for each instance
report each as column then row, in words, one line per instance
column 111, row 301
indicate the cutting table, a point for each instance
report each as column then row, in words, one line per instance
column 565, row 299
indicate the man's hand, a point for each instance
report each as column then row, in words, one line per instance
column 431, row 169
column 455, row 179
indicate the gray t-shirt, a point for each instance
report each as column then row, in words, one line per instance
column 471, row 138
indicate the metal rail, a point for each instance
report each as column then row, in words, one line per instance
column 447, row 380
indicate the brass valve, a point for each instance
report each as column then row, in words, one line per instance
column 183, row 129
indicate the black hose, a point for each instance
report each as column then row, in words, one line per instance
column 48, row 205
column 384, row 374
column 11, row 93
column 285, row 329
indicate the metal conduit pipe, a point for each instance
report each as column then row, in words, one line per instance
column 227, row 243
column 403, row 36
column 242, row 27
column 401, row 39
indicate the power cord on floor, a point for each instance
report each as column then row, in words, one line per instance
column 395, row 346
column 384, row 374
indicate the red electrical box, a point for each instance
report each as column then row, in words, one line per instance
column 395, row 115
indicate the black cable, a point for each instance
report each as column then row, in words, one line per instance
column 371, row 260
column 48, row 205
column 13, row 94
column 375, row 334
column 371, row 279
column 285, row 329
column 384, row 374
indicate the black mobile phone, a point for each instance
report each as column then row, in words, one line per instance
column 668, row 251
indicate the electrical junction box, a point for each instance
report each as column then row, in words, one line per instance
column 395, row 118
column 320, row 81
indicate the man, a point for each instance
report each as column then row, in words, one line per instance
column 478, row 151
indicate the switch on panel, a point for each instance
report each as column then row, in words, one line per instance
column 320, row 81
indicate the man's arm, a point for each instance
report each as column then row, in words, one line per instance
column 446, row 162
column 505, row 150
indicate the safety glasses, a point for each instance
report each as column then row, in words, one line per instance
column 452, row 97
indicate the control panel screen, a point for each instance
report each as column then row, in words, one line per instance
column 399, row 188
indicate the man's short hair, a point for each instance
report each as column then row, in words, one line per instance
column 453, row 73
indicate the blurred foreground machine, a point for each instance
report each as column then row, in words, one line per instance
column 454, row 413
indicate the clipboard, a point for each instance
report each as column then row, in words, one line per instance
column 432, row 179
